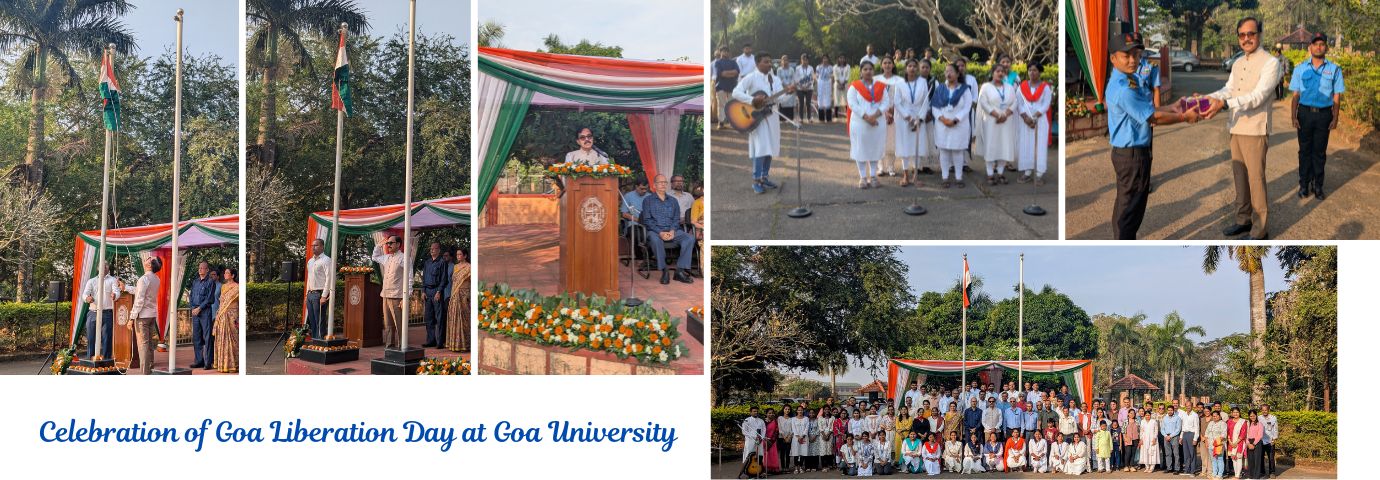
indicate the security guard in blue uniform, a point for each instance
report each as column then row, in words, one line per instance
column 1130, row 114
column 1317, row 88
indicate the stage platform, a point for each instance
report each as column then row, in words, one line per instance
column 415, row 336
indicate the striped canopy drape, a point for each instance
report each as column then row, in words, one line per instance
column 145, row 241
column 1088, row 20
column 511, row 81
column 1077, row 374
column 443, row 212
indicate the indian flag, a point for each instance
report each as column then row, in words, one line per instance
column 340, row 85
column 110, row 94
column 967, row 282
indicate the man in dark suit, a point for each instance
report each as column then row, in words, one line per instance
column 202, row 297
column 435, row 286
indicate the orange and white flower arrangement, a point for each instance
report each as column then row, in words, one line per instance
column 348, row 270
column 587, row 323
column 582, row 169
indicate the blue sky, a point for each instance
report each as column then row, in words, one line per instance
column 663, row 29
column 1124, row 280
column 212, row 26
column 451, row 17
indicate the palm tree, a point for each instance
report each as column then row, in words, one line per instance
column 491, row 34
column 1248, row 260
column 50, row 36
column 1174, row 348
column 1125, row 343
column 278, row 45
column 836, row 363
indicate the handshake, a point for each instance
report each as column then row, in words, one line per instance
column 1198, row 107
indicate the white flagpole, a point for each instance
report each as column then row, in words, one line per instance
column 102, row 270
column 1020, row 342
column 407, row 189
column 963, row 290
column 176, row 211
column 335, row 219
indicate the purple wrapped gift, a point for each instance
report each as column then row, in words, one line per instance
column 1199, row 103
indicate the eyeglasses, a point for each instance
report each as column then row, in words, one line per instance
column 391, row 242
column 585, row 137
column 1247, row 34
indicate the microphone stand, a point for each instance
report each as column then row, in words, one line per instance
column 915, row 209
column 800, row 211
column 632, row 300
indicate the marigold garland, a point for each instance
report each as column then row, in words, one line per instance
column 582, row 323
column 444, row 366
column 349, row 270
column 581, row 169
column 294, row 342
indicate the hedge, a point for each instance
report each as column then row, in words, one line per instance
column 1307, row 434
column 725, row 422
column 1361, row 74
column 265, row 303
column 28, row 327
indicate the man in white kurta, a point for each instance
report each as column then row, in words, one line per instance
column 997, row 101
column 1032, row 148
column 867, row 100
column 388, row 254
column 753, row 428
column 587, row 154
column 746, row 61
column 911, row 101
column 951, row 106
column 764, row 142
column 1078, row 456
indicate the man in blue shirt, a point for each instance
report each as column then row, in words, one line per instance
column 1130, row 114
column 435, row 284
column 661, row 216
column 1170, row 426
column 1148, row 73
column 200, row 299
column 632, row 201
column 972, row 420
column 1317, row 88
column 725, row 71
column 1012, row 418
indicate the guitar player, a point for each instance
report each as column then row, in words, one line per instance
column 760, row 88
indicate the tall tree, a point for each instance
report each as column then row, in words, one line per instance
column 277, row 45
column 1171, row 348
column 491, row 34
column 1194, row 15
column 50, row 36
column 1248, row 260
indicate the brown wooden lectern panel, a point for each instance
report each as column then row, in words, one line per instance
column 589, row 236
column 363, row 311
column 122, row 335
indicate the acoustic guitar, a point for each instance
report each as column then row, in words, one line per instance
column 745, row 117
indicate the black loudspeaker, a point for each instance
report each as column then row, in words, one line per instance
column 289, row 273
column 54, row 291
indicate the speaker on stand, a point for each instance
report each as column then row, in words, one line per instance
column 54, row 296
column 287, row 274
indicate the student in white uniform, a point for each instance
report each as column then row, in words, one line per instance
column 888, row 76
column 805, row 88
column 843, row 72
column 911, row 102
column 1032, row 148
column 867, row 105
column 929, row 154
column 787, row 73
column 972, row 83
column 951, row 106
column 824, row 90
column 764, row 142
column 997, row 101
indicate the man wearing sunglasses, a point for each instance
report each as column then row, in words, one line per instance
column 588, row 153
column 1249, row 93
column 390, row 258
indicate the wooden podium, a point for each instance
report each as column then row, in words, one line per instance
column 122, row 341
column 589, row 236
column 363, row 310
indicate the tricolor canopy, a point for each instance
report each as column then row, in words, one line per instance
column 1077, row 374
column 146, row 240
column 426, row 214
column 653, row 94
column 1088, row 22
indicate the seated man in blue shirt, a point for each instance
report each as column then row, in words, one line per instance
column 1130, row 114
column 1317, row 86
column 632, row 202
column 661, row 215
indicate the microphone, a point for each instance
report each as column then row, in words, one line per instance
column 601, row 152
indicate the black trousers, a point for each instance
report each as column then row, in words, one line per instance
column 788, row 112
column 1132, row 166
column 1269, row 462
column 1314, row 130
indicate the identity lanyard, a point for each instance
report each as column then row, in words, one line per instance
column 912, row 86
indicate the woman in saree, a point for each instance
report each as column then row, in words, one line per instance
column 226, row 328
column 458, row 311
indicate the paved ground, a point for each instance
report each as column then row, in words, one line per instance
column 528, row 256
column 1194, row 189
column 731, row 467
column 841, row 211
column 185, row 357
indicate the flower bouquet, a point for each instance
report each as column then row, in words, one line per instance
column 294, row 342
column 581, row 323
column 1075, row 108
column 63, row 360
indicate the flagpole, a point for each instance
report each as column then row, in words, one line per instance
column 176, row 210
column 963, row 288
column 1020, row 342
column 335, row 217
column 102, row 270
column 407, row 189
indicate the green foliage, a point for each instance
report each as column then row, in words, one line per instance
column 268, row 303
column 585, row 47
column 1307, row 434
column 28, row 327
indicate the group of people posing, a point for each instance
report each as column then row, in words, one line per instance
column 899, row 107
column 215, row 318
column 1010, row 430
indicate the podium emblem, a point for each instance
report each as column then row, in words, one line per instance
column 121, row 315
column 592, row 214
column 355, row 294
